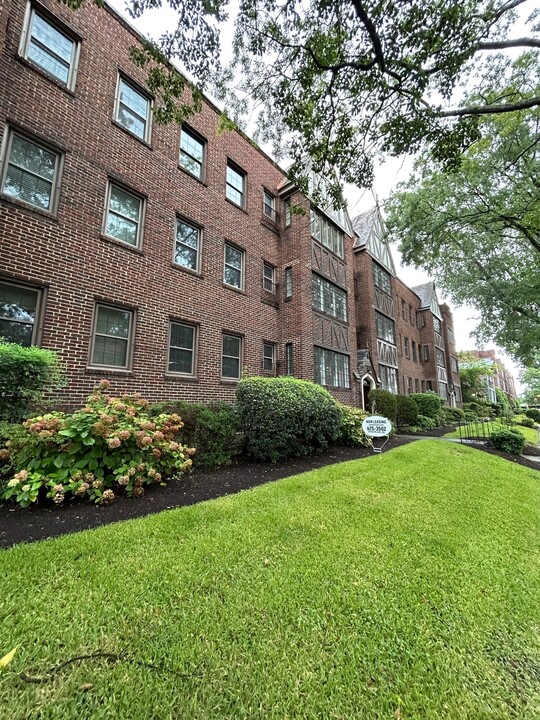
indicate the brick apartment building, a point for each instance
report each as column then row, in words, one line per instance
column 173, row 259
column 501, row 379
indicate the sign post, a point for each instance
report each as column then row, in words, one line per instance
column 377, row 426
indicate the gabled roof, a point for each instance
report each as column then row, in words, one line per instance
column 371, row 236
column 428, row 297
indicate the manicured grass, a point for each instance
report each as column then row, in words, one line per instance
column 405, row 585
column 531, row 434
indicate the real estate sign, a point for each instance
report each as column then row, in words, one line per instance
column 377, row 426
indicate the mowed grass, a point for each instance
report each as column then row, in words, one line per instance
column 402, row 586
column 531, row 434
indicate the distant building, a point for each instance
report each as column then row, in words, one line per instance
column 502, row 379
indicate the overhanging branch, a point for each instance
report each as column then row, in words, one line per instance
column 492, row 109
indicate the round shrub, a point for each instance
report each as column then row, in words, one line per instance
column 454, row 415
column 428, row 404
column 352, row 434
column 508, row 440
column 527, row 422
column 283, row 417
column 383, row 402
column 406, row 411
column 425, row 423
column 534, row 414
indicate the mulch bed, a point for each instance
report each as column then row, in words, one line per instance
column 38, row 523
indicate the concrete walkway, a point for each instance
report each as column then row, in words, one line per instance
column 532, row 458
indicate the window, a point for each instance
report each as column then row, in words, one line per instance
column 187, row 245
column 233, row 272
column 382, row 279
column 458, row 393
column 111, row 336
column 440, row 357
column 31, row 172
column 404, row 309
column 48, row 47
column 124, row 216
column 389, row 379
column 443, row 390
column 132, row 110
column 413, row 347
column 269, row 278
column 182, row 340
column 416, row 386
column 423, row 385
column 192, row 149
column 436, row 324
column 326, row 233
column 409, row 386
column 328, row 298
column 288, row 282
column 19, row 308
column 330, row 368
column 231, row 354
column 411, row 315
column 268, row 356
column 288, row 212
column 429, row 385
column 269, row 206
column 406, row 347
column 235, row 187
column 385, row 328
column 289, row 367
column 453, row 364
column 425, row 353
column 450, row 334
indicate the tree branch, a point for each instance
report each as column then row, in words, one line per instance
column 492, row 109
column 503, row 44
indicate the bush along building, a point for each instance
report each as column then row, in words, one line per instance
column 173, row 259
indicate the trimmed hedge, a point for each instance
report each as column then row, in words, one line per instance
column 508, row 440
column 284, row 416
column 26, row 374
column 454, row 414
column 212, row 429
column 425, row 423
column 383, row 403
column 527, row 422
column 428, row 404
column 534, row 414
column 406, row 411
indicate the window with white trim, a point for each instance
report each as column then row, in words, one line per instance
column 235, row 189
column 192, row 152
column 187, row 245
column 288, row 282
column 288, row 212
column 269, row 278
column 49, row 47
column 31, row 172
column 19, row 310
column 133, row 110
column 269, row 355
column 385, row 328
column 453, row 364
column 330, row 368
column 269, row 205
column 328, row 298
column 389, row 379
column 233, row 270
column 327, row 233
column 289, row 365
column 382, row 279
column 111, row 337
column 439, row 354
column 437, row 325
column 231, row 356
column 123, row 219
column 182, row 348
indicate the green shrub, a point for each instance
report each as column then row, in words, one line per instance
column 425, row 423
column 109, row 445
column 352, row 434
column 534, row 414
column 382, row 402
column 212, row 429
column 527, row 422
column 428, row 404
column 454, row 415
column 283, row 417
column 470, row 416
column 406, row 411
column 508, row 440
column 26, row 374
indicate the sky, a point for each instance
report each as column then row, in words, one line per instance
column 388, row 174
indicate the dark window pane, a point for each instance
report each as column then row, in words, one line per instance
column 181, row 361
column 182, row 336
column 16, row 332
column 230, row 367
column 110, row 351
column 231, row 346
column 233, row 277
column 113, row 322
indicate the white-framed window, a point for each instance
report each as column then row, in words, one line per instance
column 385, row 330
column 330, row 368
column 439, row 355
column 288, row 212
column 289, row 364
column 328, row 298
column 288, row 282
column 31, row 171
column 457, row 390
column 389, row 378
column 47, row 45
column 453, row 364
column 182, row 348
column 437, row 325
column 382, row 279
column 425, row 353
column 233, row 270
column 443, row 390
column 269, row 278
column 413, row 347
column 124, row 216
column 269, row 356
column 327, row 233
column 409, row 386
column 187, row 245
column 111, row 336
column 192, row 152
column 19, row 312
column 269, row 205
column 406, row 347
column 133, row 109
column 236, row 185
column 231, row 356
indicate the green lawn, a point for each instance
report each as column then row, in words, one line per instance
column 406, row 585
column 531, row 434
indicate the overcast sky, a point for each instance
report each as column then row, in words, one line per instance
column 387, row 175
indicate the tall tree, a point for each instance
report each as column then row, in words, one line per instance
column 530, row 378
column 476, row 229
column 343, row 80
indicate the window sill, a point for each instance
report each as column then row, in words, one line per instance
column 121, row 372
column 238, row 207
column 180, row 378
column 189, row 271
column 30, row 208
column 119, row 243
column 234, row 289
column 270, row 224
column 44, row 74
column 201, row 181
column 132, row 135
column 229, row 381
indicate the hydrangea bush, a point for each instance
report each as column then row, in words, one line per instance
column 109, row 445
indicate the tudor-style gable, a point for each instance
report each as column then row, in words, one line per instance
column 371, row 236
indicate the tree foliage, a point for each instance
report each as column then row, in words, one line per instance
column 473, row 372
column 475, row 229
column 530, row 378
